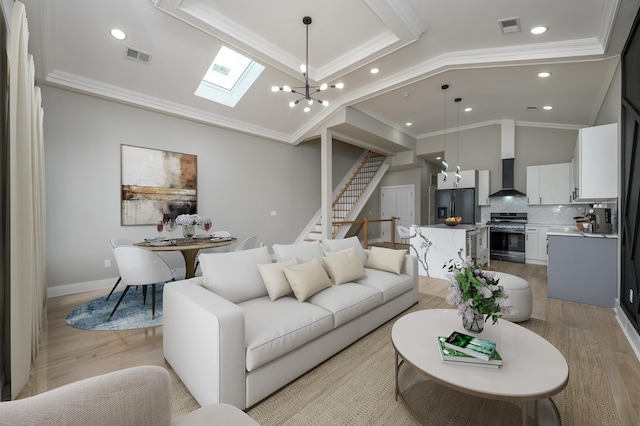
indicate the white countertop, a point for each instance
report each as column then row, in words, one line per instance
column 573, row 231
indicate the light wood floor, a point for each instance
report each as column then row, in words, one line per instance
column 68, row 354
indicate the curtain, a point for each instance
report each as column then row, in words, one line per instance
column 27, row 213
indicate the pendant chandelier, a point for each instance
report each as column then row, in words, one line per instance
column 445, row 166
column 306, row 91
column 458, row 176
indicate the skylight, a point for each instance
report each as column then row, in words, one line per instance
column 228, row 77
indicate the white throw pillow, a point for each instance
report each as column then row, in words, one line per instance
column 274, row 278
column 307, row 279
column 344, row 266
column 385, row 259
column 303, row 252
column 345, row 243
column 235, row 275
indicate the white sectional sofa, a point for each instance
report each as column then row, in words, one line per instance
column 251, row 325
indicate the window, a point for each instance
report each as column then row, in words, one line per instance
column 228, row 77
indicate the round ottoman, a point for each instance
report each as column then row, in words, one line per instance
column 519, row 292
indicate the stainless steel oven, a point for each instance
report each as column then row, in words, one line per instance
column 507, row 236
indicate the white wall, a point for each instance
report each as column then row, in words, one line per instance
column 241, row 179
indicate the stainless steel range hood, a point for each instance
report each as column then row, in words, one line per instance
column 507, row 149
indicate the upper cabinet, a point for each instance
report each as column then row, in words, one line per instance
column 549, row 184
column 595, row 163
column 483, row 188
column 468, row 179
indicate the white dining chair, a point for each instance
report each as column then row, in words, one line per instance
column 247, row 244
column 223, row 249
column 117, row 242
column 139, row 266
column 404, row 234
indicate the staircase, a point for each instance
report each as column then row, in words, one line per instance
column 350, row 196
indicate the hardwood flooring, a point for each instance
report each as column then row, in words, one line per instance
column 68, row 354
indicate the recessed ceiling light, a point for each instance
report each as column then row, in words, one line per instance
column 374, row 70
column 544, row 74
column 547, row 107
column 468, row 109
column 409, row 123
column 118, row 34
column 538, row 29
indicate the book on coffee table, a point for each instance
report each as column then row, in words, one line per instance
column 452, row 356
column 470, row 345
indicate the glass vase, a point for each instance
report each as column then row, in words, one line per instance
column 188, row 231
column 475, row 324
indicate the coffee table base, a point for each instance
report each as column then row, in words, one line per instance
column 434, row 403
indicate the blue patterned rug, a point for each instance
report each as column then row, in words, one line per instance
column 130, row 314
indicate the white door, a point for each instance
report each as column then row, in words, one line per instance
column 398, row 202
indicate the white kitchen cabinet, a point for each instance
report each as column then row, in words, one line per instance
column 549, row 184
column 535, row 245
column 483, row 188
column 595, row 171
column 468, row 179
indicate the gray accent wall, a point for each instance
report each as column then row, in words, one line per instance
column 241, row 180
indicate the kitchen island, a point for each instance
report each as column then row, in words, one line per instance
column 435, row 245
column 582, row 266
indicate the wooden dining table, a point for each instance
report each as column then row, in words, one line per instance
column 189, row 249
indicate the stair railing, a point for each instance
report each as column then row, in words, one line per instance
column 363, row 225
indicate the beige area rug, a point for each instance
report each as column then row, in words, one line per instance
column 356, row 387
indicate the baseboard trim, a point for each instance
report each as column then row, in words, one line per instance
column 627, row 328
column 68, row 289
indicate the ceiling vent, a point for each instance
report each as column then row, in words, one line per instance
column 532, row 108
column 136, row 55
column 508, row 26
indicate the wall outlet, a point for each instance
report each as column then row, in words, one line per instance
column 107, row 263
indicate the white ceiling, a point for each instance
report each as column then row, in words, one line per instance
column 419, row 45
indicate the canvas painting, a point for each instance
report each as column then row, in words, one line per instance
column 157, row 185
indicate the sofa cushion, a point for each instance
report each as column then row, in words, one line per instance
column 344, row 266
column 273, row 329
column 274, row 279
column 385, row 259
column 346, row 243
column 347, row 301
column 391, row 285
column 306, row 279
column 303, row 252
column 235, row 275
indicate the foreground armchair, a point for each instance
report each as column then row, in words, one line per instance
column 137, row 396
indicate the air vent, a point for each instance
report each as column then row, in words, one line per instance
column 136, row 55
column 532, row 108
column 508, row 26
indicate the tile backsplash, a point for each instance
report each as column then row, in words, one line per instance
column 549, row 214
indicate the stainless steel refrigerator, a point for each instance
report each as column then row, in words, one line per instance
column 457, row 202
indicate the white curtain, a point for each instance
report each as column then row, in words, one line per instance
column 27, row 213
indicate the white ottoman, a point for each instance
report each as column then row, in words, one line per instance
column 520, row 295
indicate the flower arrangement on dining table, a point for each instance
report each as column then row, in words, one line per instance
column 476, row 291
column 189, row 219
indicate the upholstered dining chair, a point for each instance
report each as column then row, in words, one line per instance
column 223, row 249
column 404, row 234
column 139, row 266
column 117, row 242
column 247, row 244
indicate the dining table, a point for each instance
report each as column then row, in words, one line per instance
column 188, row 248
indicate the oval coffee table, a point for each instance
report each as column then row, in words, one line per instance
column 533, row 369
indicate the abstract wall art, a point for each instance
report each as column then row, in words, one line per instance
column 157, row 185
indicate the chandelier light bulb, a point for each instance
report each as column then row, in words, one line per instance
column 339, row 86
column 286, row 88
column 307, row 109
column 275, row 88
column 292, row 104
column 303, row 68
column 325, row 103
column 324, row 86
column 310, row 101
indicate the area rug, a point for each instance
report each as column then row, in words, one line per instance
column 356, row 387
column 130, row 314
